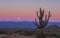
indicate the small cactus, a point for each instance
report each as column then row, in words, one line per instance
column 42, row 23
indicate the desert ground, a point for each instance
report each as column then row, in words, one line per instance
column 26, row 34
column 18, row 36
column 14, row 36
column 50, row 32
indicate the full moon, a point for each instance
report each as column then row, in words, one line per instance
column 18, row 18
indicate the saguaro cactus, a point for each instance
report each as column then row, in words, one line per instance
column 41, row 24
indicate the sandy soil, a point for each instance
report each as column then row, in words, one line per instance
column 17, row 36
column 14, row 36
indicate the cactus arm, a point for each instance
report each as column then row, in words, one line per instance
column 36, row 23
column 49, row 15
column 37, row 14
column 41, row 14
column 47, row 18
column 41, row 17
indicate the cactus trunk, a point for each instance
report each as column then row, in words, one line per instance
column 40, row 33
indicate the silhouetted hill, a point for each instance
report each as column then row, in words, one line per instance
column 53, row 28
column 24, row 24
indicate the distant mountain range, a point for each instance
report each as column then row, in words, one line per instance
column 24, row 24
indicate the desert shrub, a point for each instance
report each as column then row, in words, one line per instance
column 28, row 33
column 53, row 34
column 56, row 35
column 16, row 32
column 3, row 32
column 19, row 31
column 5, row 37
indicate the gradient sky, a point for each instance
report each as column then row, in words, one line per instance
column 11, row 10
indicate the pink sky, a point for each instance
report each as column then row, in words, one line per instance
column 26, row 10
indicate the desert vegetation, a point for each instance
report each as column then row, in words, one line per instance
column 41, row 31
column 24, row 33
column 41, row 24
